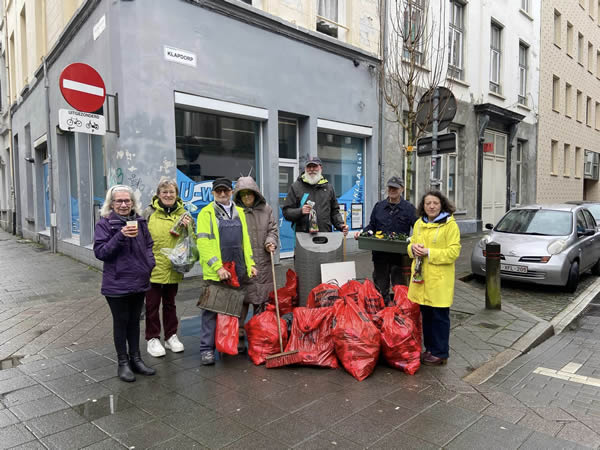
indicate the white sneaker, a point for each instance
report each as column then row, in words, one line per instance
column 155, row 348
column 174, row 344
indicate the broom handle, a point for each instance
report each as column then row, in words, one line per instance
column 276, row 302
column 344, row 241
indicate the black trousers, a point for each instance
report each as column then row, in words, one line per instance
column 436, row 330
column 126, row 321
column 383, row 272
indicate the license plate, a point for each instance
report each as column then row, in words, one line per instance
column 513, row 268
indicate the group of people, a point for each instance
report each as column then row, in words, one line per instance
column 239, row 226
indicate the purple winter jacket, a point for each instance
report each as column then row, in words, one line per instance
column 128, row 262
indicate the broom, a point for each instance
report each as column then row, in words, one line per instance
column 282, row 358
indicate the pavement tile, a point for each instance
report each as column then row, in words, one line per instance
column 14, row 435
column 7, row 418
column 438, row 433
column 452, row 415
column 502, row 431
column 510, row 414
column 362, row 429
column 539, row 440
column 166, row 404
column 37, row 366
column 103, row 406
column 387, row 413
column 74, row 438
column 53, row 373
column 67, row 384
column 398, row 439
column 257, row 413
column 102, row 373
column 554, row 414
column 17, row 381
column 474, row 441
column 300, row 395
column 187, row 420
column 106, row 444
column 72, row 357
column 24, row 395
column 291, row 429
column 327, row 439
column 146, row 435
column 335, row 407
column 535, row 422
column 577, row 432
column 85, row 394
column 411, row 400
column 31, row 445
column 201, row 391
column 256, row 441
column 96, row 362
column 37, row 408
column 55, row 422
column 122, row 421
column 474, row 402
column 219, row 432
column 179, row 380
column 179, row 442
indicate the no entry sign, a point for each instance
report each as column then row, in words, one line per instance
column 82, row 87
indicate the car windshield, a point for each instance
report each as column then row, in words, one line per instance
column 544, row 222
column 595, row 210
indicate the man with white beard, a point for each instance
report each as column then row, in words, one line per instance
column 312, row 186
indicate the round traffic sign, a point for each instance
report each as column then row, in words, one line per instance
column 446, row 109
column 82, row 87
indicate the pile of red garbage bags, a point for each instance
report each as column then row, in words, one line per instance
column 347, row 324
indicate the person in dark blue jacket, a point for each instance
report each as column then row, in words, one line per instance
column 392, row 215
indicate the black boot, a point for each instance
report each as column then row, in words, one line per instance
column 124, row 371
column 138, row 365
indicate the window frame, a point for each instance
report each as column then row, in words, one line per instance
column 496, row 56
column 523, row 73
column 456, row 31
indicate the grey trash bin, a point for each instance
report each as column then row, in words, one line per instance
column 311, row 251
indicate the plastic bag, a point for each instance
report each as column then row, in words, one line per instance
column 323, row 296
column 227, row 334
column 178, row 227
column 185, row 253
column 409, row 309
column 263, row 338
column 312, row 337
column 287, row 296
column 370, row 300
column 351, row 289
column 398, row 341
column 357, row 341
column 233, row 280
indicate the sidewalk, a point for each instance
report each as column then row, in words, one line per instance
column 64, row 393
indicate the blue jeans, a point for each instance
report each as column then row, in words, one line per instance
column 436, row 330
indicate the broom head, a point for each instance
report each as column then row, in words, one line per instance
column 283, row 359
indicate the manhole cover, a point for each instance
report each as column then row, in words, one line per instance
column 11, row 362
column 491, row 326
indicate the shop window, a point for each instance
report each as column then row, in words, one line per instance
column 73, row 181
column 211, row 146
column 343, row 166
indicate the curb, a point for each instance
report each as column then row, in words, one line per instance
column 535, row 336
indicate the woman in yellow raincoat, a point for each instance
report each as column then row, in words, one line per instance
column 436, row 243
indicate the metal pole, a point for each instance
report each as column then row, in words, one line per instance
column 49, row 147
column 493, row 299
column 434, row 139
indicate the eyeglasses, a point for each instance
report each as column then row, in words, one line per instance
column 222, row 191
column 245, row 193
column 124, row 202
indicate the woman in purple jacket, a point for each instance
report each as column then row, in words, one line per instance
column 122, row 241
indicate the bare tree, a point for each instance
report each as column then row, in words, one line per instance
column 414, row 61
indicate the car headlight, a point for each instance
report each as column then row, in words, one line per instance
column 557, row 246
column 484, row 240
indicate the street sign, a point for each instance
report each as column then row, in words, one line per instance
column 446, row 144
column 81, row 122
column 82, row 87
column 446, row 109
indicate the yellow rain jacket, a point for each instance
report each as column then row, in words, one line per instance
column 209, row 245
column 443, row 241
column 159, row 224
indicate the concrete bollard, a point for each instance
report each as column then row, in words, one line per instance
column 492, row 276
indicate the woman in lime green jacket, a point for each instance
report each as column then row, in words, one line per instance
column 436, row 244
column 222, row 237
column 164, row 211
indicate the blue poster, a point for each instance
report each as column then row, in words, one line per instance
column 195, row 196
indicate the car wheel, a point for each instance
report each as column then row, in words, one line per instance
column 596, row 268
column 573, row 279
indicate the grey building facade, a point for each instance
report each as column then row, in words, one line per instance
column 195, row 90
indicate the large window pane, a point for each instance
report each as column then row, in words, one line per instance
column 288, row 139
column 343, row 166
column 211, row 146
column 74, row 196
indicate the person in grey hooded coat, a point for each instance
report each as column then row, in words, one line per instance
column 264, row 237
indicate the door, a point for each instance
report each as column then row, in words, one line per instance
column 585, row 243
column 46, row 194
column 494, row 177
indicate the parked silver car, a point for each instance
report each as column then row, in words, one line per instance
column 543, row 244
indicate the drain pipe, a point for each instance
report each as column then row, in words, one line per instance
column 13, row 193
column 50, row 171
column 383, row 46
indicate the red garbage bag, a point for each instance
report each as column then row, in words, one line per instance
column 312, row 337
column 398, row 341
column 233, row 281
column 351, row 289
column 370, row 300
column 263, row 339
column 322, row 296
column 357, row 341
column 410, row 310
column 287, row 296
column 227, row 334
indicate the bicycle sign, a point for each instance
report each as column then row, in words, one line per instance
column 81, row 122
